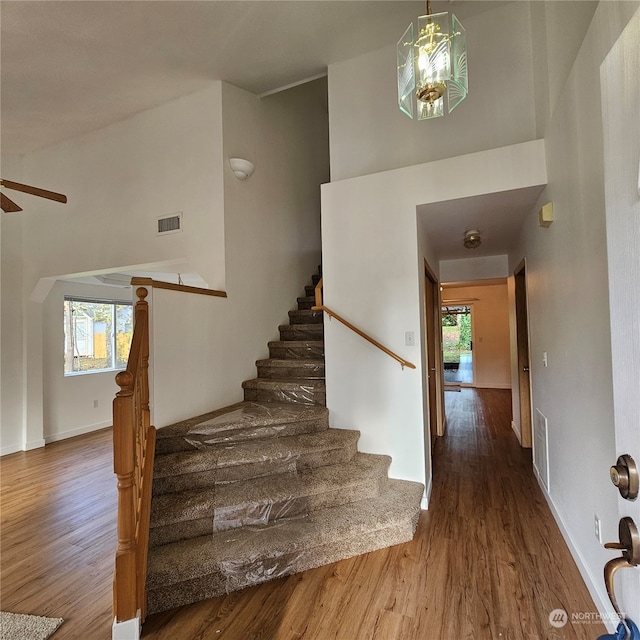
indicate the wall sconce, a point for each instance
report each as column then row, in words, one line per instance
column 242, row 169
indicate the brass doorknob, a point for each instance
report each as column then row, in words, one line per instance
column 630, row 546
column 625, row 477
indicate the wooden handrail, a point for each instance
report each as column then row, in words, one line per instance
column 160, row 284
column 133, row 455
column 332, row 314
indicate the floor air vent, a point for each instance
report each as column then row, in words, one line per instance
column 170, row 224
column 541, row 448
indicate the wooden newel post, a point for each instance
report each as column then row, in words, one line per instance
column 125, row 587
column 133, row 453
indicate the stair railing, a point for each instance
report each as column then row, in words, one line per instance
column 332, row 314
column 133, row 454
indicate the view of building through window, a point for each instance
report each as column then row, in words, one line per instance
column 97, row 335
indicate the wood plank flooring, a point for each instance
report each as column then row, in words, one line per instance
column 487, row 561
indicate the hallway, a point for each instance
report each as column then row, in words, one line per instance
column 487, row 561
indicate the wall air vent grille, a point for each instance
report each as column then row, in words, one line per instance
column 169, row 224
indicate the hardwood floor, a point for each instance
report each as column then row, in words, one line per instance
column 487, row 561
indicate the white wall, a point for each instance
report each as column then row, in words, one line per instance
column 491, row 345
column 68, row 401
column 205, row 347
column 11, row 371
column 427, row 259
column 558, row 29
column 373, row 276
column 467, row 269
column 568, row 307
column 119, row 180
column 369, row 133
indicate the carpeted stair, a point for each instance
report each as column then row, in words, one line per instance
column 264, row 488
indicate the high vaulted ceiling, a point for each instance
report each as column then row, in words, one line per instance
column 70, row 67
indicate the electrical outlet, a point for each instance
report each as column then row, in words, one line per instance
column 95, row 404
column 545, row 361
column 597, row 529
column 409, row 338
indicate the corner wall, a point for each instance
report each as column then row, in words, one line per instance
column 205, row 347
column 259, row 240
column 373, row 276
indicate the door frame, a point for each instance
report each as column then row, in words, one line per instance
column 523, row 360
column 433, row 354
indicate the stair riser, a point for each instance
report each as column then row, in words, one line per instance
column 302, row 332
column 208, row 478
column 174, row 445
column 305, row 317
column 236, row 516
column 315, row 372
column 310, row 290
column 308, row 396
column 305, row 304
column 297, row 352
column 239, row 574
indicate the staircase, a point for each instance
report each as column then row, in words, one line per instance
column 264, row 488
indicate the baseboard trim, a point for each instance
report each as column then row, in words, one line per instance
column 34, row 444
column 514, row 426
column 63, row 435
column 12, row 448
column 424, row 504
column 598, row 593
column 127, row 629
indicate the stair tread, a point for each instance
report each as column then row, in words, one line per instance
column 284, row 449
column 188, row 559
column 202, row 503
column 242, row 415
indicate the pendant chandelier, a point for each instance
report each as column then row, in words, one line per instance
column 432, row 68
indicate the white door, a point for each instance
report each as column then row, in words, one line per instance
column 620, row 81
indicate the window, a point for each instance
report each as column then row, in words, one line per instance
column 97, row 335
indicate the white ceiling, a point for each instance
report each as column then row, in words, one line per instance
column 497, row 216
column 70, row 67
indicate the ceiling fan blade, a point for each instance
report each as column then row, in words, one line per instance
column 34, row 191
column 8, row 206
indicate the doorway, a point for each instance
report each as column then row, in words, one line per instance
column 522, row 341
column 457, row 344
column 433, row 341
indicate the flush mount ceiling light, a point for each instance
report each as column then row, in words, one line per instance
column 472, row 239
column 432, row 68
